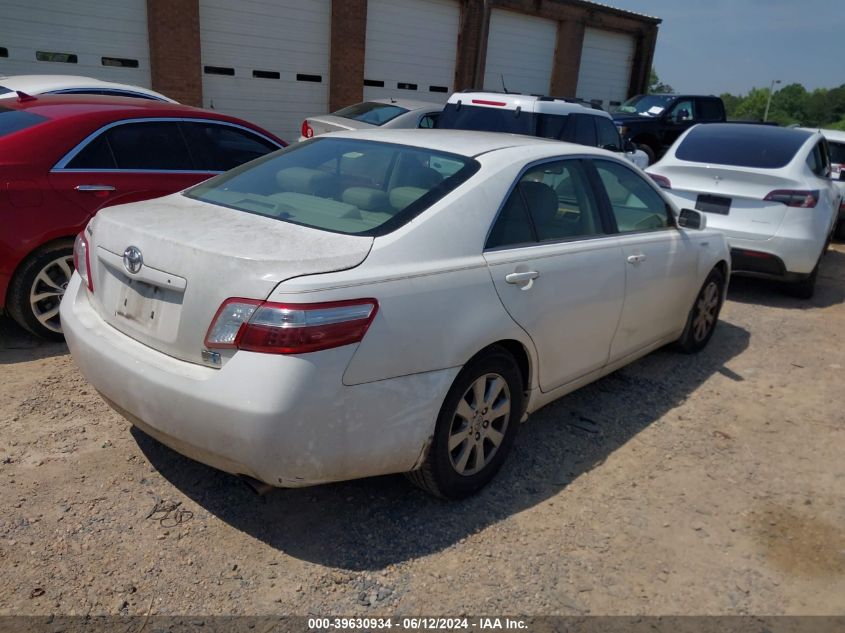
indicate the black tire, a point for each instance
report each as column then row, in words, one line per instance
column 648, row 152
column 439, row 474
column 806, row 288
column 704, row 314
column 839, row 232
column 49, row 263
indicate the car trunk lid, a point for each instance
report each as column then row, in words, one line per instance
column 189, row 256
column 733, row 198
column 329, row 123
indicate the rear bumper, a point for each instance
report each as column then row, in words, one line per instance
column 285, row 420
column 779, row 257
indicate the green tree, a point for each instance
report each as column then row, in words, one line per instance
column 657, row 86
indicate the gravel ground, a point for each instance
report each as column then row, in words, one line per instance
column 711, row 484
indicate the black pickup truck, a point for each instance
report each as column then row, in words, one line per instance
column 653, row 122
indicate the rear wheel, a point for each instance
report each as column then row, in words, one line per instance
column 806, row 288
column 37, row 290
column 475, row 429
column 704, row 314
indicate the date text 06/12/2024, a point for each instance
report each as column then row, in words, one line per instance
column 416, row 624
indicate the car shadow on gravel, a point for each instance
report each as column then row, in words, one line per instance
column 17, row 345
column 371, row 523
column 830, row 287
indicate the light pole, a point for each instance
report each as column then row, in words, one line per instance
column 769, row 101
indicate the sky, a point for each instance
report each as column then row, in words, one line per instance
column 717, row 46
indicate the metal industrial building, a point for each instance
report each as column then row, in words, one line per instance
column 275, row 61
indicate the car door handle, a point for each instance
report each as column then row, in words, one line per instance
column 521, row 278
column 636, row 259
column 94, row 188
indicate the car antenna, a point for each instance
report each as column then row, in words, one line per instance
column 23, row 97
column 504, row 88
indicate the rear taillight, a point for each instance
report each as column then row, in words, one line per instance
column 81, row 260
column 307, row 130
column 289, row 328
column 794, row 198
column 661, row 181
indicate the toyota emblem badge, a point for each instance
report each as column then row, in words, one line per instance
column 132, row 259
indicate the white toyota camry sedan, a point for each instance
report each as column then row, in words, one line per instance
column 383, row 302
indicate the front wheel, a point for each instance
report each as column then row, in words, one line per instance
column 648, row 152
column 475, row 428
column 704, row 314
column 37, row 290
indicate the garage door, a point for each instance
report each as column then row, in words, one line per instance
column 106, row 40
column 520, row 50
column 266, row 62
column 411, row 49
column 605, row 71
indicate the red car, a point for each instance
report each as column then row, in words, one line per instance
column 62, row 158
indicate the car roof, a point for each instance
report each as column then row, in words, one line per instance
column 461, row 142
column 65, row 106
column 102, row 109
column 43, row 83
column 527, row 102
column 830, row 135
column 750, row 131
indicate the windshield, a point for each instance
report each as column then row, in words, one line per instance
column 17, row 120
column 646, row 105
column 370, row 112
column 463, row 117
column 738, row 145
column 342, row 185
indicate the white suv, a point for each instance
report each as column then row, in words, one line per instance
column 568, row 120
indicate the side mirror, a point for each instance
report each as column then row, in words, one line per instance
column 691, row 219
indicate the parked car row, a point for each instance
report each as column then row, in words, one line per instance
column 418, row 292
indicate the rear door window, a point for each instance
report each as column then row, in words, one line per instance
column 96, row 155
column 156, row 146
column 218, row 147
column 550, row 202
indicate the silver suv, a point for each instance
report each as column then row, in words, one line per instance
column 568, row 120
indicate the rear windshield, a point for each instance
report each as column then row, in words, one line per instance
column 837, row 152
column 370, row 112
column 17, row 120
column 466, row 117
column 348, row 186
column 760, row 146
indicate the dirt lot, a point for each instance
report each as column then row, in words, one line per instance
column 683, row 485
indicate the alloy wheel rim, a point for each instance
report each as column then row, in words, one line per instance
column 705, row 314
column 47, row 292
column 479, row 424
